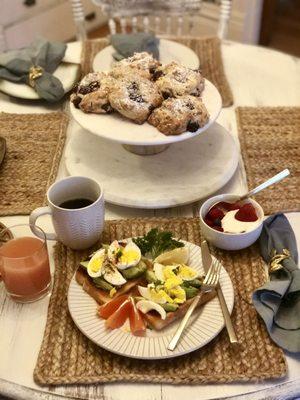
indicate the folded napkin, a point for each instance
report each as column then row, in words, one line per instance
column 34, row 65
column 127, row 44
column 278, row 301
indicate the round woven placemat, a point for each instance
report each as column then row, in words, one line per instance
column 67, row 356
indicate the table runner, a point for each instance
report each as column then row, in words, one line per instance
column 207, row 49
column 34, row 147
column 67, row 356
column 270, row 138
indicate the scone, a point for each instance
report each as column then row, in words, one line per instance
column 91, row 95
column 178, row 115
column 142, row 63
column 134, row 97
column 175, row 80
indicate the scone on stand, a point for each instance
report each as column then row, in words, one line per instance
column 178, row 115
column 91, row 94
column 175, row 80
column 135, row 97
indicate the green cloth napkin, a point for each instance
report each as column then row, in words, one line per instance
column 127, row 44
column 278, row 301
column 15, row 66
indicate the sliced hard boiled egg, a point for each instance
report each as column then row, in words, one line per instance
column 94, row 267
column 163, row 272
column 187, row 273
column 147, row 305
column 159, row 296
column 179, row 294
column 113, row 276
column 172, row 282
column 130, row 256
column 114, row 251
column 175, row 256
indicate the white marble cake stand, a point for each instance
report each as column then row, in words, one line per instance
column 144, row 139
column 187, row 171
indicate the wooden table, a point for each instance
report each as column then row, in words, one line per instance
column 258, row 77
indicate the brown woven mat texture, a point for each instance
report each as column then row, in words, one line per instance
column 34, row 147
column 67, row 356
column 207, row 49
column 270, row 138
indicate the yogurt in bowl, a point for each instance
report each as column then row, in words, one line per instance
column 231, row 224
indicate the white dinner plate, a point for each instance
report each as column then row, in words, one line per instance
column 117, row 128
column 73, row 53
column 67, row 73
column 205, row 324
column 169, row 51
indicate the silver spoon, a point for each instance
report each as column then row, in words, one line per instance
column 276, row 178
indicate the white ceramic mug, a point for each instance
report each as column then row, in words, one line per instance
column 77, row 228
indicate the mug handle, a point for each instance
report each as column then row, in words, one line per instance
column 38, row 212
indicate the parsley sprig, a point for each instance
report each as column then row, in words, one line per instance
column 156, row 242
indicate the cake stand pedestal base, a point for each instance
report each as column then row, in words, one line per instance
column 145, row 150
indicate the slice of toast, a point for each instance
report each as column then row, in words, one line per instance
column 154, row 321
column 102, row 296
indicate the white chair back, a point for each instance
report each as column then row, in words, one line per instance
column 171, row 17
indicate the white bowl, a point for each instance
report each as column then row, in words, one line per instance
column 230, row 241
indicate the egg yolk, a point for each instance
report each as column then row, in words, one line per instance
column 186, row 272
column 96, row 264
column 129, row 256
column 170, row 283
column 179, row 295
column 160, row 295
column 168, row 272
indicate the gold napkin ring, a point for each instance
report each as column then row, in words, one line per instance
column 34, row 73
column 276, row 260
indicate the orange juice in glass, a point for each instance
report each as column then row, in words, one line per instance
column 24, row 264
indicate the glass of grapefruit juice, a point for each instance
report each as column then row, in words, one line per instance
column 24, row 264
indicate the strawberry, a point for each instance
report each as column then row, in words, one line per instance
column 215, row 213
column 228, row 206
column 208, row 221
column 246, row 213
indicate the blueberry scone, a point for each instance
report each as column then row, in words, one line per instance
column 134, row 97
column 141, row 63
column 175, row 80
column 91, row 95
column 178, row 115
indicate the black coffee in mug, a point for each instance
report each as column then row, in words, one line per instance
column 76, row 203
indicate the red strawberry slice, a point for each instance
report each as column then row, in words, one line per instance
column 246, row 213
column 215, row 213
column 208, row 221
column 228, row 206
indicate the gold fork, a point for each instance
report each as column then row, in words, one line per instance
column 210, row 282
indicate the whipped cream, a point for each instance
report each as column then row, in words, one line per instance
column 232, row 225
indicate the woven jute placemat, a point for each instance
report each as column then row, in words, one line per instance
column 207, row 49
column 270, row 138
column 67, row 356
column 34, row 147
